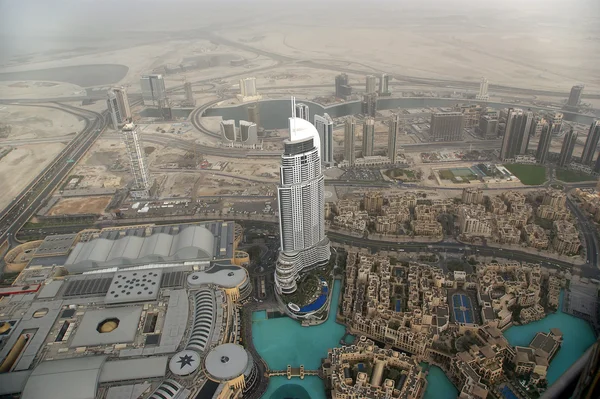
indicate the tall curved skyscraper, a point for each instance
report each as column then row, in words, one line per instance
column 304, row 245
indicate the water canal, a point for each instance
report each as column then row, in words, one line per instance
column 282, row 341
column 578, row 336
column 274, row 113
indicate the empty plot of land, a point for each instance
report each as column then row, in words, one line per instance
column 80, row 206
column 80, row 75
column 22, row 165
column 37, row 122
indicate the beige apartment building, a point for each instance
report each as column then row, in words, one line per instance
column 472, row 195
column 566, row 237
column 426, row 228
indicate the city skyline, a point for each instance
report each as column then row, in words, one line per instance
column 421, row 221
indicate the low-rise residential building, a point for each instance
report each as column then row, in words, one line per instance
column 551, row 213
column 508, row 234
column 566, row 237
column 472, row 195
column 373, row 201
column 513, row 198
column 532, row 313
column 386, row 225
column 426, row 228
column 365, row 370
column 474, row 221
column 497, row 206
column 535, row 236
column 425, row 213
column 354, row 221
column 345, row 206
column 400, row 213
column 554, row 198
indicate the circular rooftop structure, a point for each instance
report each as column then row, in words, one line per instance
column 223, row 276
column 4, row 327
column 184, row 363
column 227, row 362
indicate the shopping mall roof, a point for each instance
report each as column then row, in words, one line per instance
column 191, row 242
column 75, row 378
column 224, row 275
column 124, row 320
column 226, row 362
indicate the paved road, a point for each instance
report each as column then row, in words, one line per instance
column 32, row 198
column 452, row 247
column 587, row 228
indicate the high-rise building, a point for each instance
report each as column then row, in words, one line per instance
column 472, row 195
column 371, row 84
column 118, row 106
column 248, row 132
column 393, row 138
column 516, row 133
column 304, row 244
column 488, row 127
column 137, row 160
column 349, row 136
column 566, row 151
column 575, row 96
column 483, row 90
column 384, row 85
column 597, row 164
column 471, row 114
column 591, row 143
column 189, row 94
column 248, row 87
column 228, row 130
column 302, row 111
column 446, row 126
column 556, row 119
column 369, row 105
column 153, row 91
column 342, row 88
column 248, row 90
column 541, row 154
column 324, row 125
column 368, row 142
column 254, row 114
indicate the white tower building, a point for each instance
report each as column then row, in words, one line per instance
column 483, row 90
column 324, row 125
column 118, row 106
column 302, row 111
column 304, row 245
column 153, row 90
column 248, row 90
column 371, row 84
column 137, row 159
column 228, row 131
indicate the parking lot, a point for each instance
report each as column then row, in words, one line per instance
column 364, row 174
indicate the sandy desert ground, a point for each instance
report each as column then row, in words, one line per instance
column 80, row 205
column 20, row 165
column 28, row 122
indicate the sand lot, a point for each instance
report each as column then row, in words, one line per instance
column 38, row 122
column 80, row 205
column 21, row 165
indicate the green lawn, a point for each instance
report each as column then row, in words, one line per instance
column 573, row 176
column 530, row 175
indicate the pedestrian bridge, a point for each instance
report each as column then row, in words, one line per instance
column 291, row 372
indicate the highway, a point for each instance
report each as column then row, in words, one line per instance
column 24, row 206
